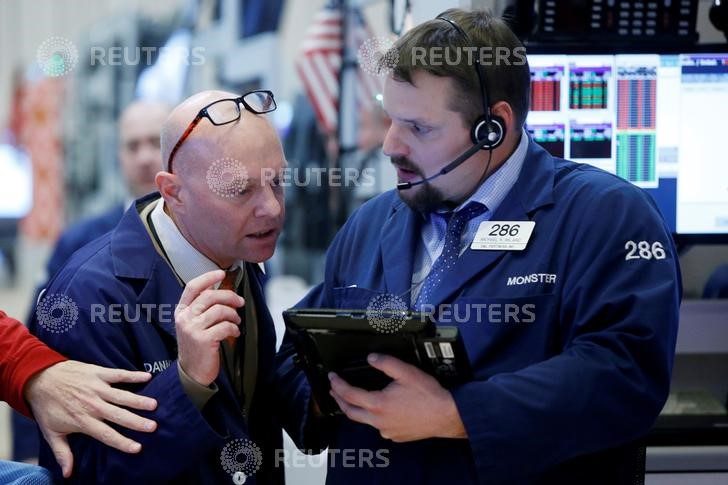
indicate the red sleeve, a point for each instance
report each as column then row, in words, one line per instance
column 21, row 357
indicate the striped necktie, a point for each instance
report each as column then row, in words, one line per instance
column 231, row 277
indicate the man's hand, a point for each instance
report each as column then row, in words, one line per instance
column 412, row 407
column 204, row 318
column 73, row 397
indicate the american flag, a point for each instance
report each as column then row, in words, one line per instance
column 319, row 65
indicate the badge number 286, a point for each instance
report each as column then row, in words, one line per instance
column 644, row 250
column 503, row 235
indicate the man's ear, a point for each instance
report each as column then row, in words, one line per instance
column 169, row 186
column 504, row 111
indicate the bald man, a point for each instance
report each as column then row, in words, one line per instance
column 223, row 395
column 140, row 125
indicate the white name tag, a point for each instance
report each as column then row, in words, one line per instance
column 503, row 235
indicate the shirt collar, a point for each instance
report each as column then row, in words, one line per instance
column 185, row 259
column 495, row 188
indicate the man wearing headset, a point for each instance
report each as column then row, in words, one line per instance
column 569, row 334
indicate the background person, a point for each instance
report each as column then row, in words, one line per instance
column 140, row 159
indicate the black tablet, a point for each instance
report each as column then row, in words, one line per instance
column 340, row 340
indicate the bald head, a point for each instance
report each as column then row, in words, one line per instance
column 139, row 127
column 142, row 108
column 223, row 191
column 209, row 142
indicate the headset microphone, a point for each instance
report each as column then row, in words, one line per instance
column 448, row 168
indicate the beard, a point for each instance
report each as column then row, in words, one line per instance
column 423, row 198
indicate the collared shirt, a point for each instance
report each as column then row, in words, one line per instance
column 186, row 260
column 490, row 193
column 188, row 263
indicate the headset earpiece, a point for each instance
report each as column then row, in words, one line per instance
column 487, row 127
column 494, row 130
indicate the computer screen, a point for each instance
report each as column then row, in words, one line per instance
column 658, row 120
column 16, row 183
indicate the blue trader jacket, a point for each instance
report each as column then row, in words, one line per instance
column 25, row 441
column 120, row 297
column 80, row 234
column 580, row 365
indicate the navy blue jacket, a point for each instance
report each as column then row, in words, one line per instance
column 25, row 440
column 589, row 372
column 122, row 268
column 81, row 233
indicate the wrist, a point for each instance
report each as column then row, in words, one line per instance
column 29, row 380
column 453, row 426
column 191, row 375
column 32, row 385
column 29, row 391
column 33, row 389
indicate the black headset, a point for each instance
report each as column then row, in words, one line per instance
column 487, row 129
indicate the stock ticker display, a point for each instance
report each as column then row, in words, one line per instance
column 653, row 119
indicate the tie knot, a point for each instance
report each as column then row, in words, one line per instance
column 231, row 277
column 461, row 217
column 451, row 248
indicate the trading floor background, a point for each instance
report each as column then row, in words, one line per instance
column 59, row 137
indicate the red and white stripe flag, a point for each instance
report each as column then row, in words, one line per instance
column 320, row 64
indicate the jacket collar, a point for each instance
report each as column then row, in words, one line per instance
column 131, row 247
column 134, row 257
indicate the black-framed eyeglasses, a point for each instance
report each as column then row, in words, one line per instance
column 225, row 111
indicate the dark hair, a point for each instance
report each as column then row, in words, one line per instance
column 507, row 79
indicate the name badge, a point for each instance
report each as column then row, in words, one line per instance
column 503, row 235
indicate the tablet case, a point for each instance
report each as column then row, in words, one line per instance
column 337, row 340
